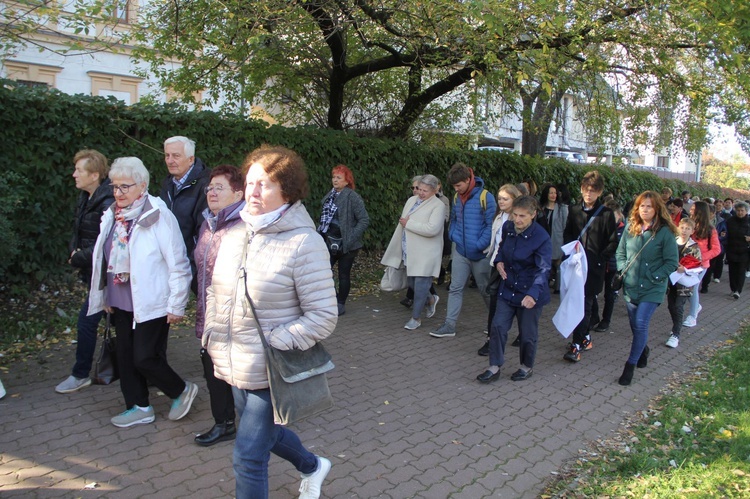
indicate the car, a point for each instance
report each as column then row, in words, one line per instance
column 573, row 157
column 495, row 148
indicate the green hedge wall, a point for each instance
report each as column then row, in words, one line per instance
column 42, row 130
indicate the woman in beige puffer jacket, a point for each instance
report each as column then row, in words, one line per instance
column 285, row 265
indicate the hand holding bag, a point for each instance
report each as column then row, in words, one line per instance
column 105, row 365
column 296, row 378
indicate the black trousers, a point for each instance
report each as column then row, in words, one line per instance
column 346, row 261
column 676, row 306
column 220, row 392
column 141, row 357
column 737, row 276
column 582, row 329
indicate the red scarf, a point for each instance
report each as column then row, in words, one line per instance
column 472, row 183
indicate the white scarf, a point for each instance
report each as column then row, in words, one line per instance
column 258, row 222
column 119, row 255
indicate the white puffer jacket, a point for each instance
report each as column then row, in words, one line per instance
column 290, row 281
column 159, row 267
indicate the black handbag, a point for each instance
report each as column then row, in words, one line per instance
column 296, row 378
column 105, row 365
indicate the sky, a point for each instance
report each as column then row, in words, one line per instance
column 724, row 145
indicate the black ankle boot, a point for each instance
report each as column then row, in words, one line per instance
column 219, row 433
column 643, row 361
column 627, row 374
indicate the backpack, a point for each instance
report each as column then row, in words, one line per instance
column 482, row 199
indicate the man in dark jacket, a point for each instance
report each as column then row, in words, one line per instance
column 90, row 175
column 599, row 240
column 184, row 190
column 470, row 231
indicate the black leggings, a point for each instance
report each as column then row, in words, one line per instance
column 345, row 273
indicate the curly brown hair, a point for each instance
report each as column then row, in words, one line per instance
column 662, row 218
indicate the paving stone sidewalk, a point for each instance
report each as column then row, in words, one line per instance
column 410, row 419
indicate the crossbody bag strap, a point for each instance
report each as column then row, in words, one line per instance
column 247, row 293
column 591, row 220
column 630, row 263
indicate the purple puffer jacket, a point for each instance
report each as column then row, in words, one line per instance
column 209, row 239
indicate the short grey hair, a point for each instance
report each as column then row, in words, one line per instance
column 188, row 145
column 416, row 178
column 430, row 180
column 742, row 204
column 129, row 167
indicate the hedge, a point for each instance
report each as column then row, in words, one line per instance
column 43, row 129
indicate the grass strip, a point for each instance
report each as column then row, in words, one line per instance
column 692, row 442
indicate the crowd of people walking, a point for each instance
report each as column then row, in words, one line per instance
column 241, row 239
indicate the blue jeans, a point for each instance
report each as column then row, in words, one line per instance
column 257, row 437
column 421, row 287
column 640, row 316
column 87, row 331
column 695, row 299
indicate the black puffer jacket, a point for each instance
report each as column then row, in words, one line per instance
column 86, row 227
column 737, row 247
column 188, row 204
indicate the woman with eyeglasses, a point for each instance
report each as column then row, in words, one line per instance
column 225, row 197
column 141, row 276
column 343, row 222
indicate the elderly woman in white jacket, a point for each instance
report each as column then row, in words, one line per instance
column 141, row 276
column 279, row 260
column 418, row 242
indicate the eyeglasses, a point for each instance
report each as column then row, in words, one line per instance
column 414, row 187
column 123, row 188
column 218, row 188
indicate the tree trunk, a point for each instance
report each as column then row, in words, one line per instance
column 537, row 113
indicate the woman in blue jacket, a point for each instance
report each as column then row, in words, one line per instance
column 648, row 253
column 523, row 260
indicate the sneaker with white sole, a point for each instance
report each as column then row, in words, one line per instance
column 181, row 405
column 673, row 341
column 2, row 390
column 412, row 324
column 431, row 308
column 444, row 331
column 689, row 321
column 700, row 307
column 72, row 384
column 133, row 416
column 747, row 274
column 717, row 281
column 311, row 484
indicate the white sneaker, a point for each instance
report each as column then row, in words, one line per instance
column 412, row 324
column 717, row 281
column 72, row 384
column 431, row 308
column 2, row 390
column 673, row 341
column 689, row 321
column 747, row 274
column 310, row 486
column 700, row 307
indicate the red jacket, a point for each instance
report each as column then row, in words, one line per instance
column 708, row 254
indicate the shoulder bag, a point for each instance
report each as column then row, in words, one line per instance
column 394, row 279
column 620, row 275
column 296, row 378
column 105, row 366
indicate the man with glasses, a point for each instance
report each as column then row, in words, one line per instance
column 184, row 190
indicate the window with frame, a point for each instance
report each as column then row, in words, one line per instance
column 662, row 162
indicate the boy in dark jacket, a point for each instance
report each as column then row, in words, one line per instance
column 594, row 225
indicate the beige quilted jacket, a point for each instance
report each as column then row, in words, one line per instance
column 290, row 281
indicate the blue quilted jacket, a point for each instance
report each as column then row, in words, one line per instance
column 471, row 225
